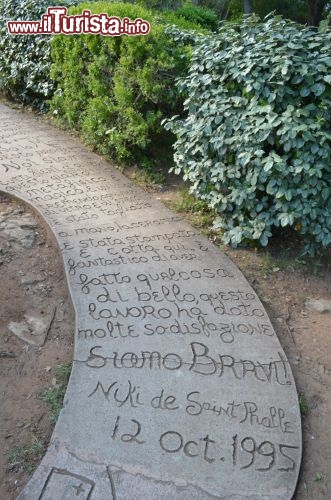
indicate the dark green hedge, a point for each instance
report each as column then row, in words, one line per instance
column 256, row 144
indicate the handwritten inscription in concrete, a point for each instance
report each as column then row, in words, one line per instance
column 180, row 388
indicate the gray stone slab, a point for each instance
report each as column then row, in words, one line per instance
column 19, row 228
column 319, row 305
column 179, row 388
column 33, row 329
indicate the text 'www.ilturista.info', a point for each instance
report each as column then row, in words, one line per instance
column 56, row 21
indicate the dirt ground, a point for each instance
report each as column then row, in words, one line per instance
column 32, row 283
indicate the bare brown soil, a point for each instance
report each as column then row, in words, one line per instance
column 26, row 371
column 32, row 282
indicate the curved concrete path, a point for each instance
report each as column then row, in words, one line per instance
column 179, row 388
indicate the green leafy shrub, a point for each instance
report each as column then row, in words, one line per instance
column 25, row 59
column 206, row 18
column 256, row 144
column 116, row 90
column 221, row 7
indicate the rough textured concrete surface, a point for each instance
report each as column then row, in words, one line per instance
column 179, row 388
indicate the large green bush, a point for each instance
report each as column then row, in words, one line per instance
column 202, row 16
column 256, row 144
column 221, row 7
column 117, row 90
column 25, row 60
